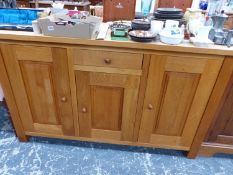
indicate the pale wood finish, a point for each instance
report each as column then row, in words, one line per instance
column 41, row 88
column 31, row 53
column 106, row 134
column 70, row 53
column 175, row 105
column 10, row 99
column 44, row 109
column 107, row 102
column 214, row 106
column 29, row 38
column 111, row 118
column 103, row 140
column 90, row 97
column 107, row 58
column 108, row 70
column 17, row 83
column 175, row 94
column 52, row 129
column 141, row 96
column 62, row 87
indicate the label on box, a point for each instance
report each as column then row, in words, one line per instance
column 50, row 28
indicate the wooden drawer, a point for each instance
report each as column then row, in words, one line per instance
column 108, row 59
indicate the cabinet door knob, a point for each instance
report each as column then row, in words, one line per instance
column 150, row 106
column 63, row 99
column 107, row 61
column 84, row 110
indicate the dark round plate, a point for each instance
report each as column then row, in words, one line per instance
column 140, row 24
column 169, row 10
column 180, row 15
column 168, row 16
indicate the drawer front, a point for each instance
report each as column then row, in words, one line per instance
column 108, row 59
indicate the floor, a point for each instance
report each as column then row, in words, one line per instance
column 58, row 157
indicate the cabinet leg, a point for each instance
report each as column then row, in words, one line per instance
column 23, row 138
column 191, row 155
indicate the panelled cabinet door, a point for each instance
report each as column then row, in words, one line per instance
column 177, row 92
column 106, row 105
column 222, row 131
column 40, row 83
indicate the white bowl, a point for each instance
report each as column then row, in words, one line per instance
column 173, row 40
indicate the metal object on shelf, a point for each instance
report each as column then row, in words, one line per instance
column 218, row 34
column 119, row 31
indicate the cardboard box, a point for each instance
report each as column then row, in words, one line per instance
column 85, row 28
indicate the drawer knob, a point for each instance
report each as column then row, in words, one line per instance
column 84, row 110
column 150, row 106
column 107, row 61
column 63, row 99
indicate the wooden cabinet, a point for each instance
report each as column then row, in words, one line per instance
column 178, row 89
column 113, row 95
column 107, row 85
column 40, row 83
column 182, row 4
column 218, row 138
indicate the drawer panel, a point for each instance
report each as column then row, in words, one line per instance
column 108, row 59
column 33, row 53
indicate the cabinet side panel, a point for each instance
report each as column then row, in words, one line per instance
column 10, row 99
column 15, row 77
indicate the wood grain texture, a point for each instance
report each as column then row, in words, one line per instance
column 107, row 102
column 29, row 38
column 18, row 88
column 31, row 53
column 108, row 70
column 103, row 140
column 210, row 149
column 105, row 134
column 179, row 98
column 214, row 106
column 52, row 129
column 175, row 3
column 41, row 88
column 107, row 116
column 141, row 96
column 40, row 91
column 175, row 105
column 112, row 13
column 222, row 130
column 62, row 87
column 10, row 99
column 70, row 54
column 84, row 101
column 102, row 58
column 220, row 136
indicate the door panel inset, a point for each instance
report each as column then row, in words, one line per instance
column 107, row 103
column 39, row 85
column 176, row 99
column 178, row 89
